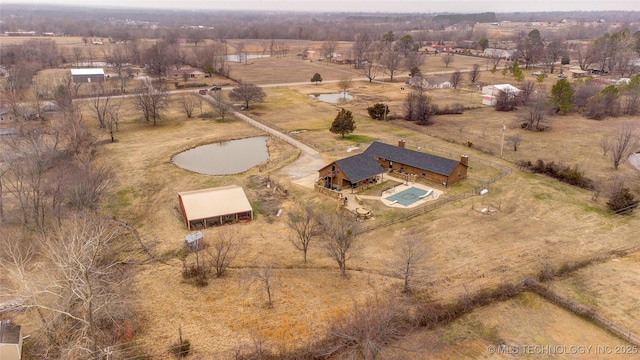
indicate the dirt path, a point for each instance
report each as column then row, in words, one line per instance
column 305, row 168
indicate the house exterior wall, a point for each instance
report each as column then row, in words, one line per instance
column 337, row 176
column 78, row 79
column 427, row 175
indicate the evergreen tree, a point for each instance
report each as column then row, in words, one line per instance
column 343, row 123
column 561, row 96
column 316, row 78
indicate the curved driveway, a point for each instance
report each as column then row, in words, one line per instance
column 304, row 169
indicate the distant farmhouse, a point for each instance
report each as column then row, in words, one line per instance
column 369, row 166
column 87, row 75
column 491, row 93
column 186, row 74
column 499, row 53
column 430, row 82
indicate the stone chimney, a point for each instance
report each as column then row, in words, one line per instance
column 401, row 143
column 464, row 160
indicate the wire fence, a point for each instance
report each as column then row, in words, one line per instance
column 581, row 310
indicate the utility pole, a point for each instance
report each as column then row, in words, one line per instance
column 502, row 141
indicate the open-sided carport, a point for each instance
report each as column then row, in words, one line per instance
column 215, row 206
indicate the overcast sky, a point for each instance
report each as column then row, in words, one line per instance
column 400, row 6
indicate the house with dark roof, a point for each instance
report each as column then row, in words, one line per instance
column 378, row 158
column 351, row 172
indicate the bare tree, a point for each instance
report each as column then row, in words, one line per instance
column 189, row 102
column 361, row 45
column 418, row 107
column 455, row 79
column 340, row 240
column 112, row 120
column 391, row 61
column 367, row 328
column 81, row 297
column 266, row 277
column 223, row 250
column 409, row 261
column 220, row 105
column 370, row 70
column 99, row 101
column 247, row 93
column 329, row 49
column 118, row 59
column 156, row 59
column 306, row 223
column 152, row 101
column 527, row 89
column 447, row 59
column 514, row 140
column 622, row 143
column 474, row 74
column 345, row 84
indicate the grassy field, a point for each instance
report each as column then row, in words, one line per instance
column 497, row 332
column 539, row 222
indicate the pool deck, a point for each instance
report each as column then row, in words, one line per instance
column 352, row 204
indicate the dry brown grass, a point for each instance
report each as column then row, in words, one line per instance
column 610, row 288
column 504, row 324
column 540, row 220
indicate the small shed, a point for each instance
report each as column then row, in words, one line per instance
column 10, row 341
column 194, row 241
column 215, row 206
column 87, row 75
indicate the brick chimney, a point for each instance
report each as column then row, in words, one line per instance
column 464, row 160
column 401, row 143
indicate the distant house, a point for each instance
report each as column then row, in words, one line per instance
column 578, row 73
column 358, row 170
column 490, row 93
column 499, row 53
column 94, row 75
column 10, row 340
column 186, row 74
column 431, row 82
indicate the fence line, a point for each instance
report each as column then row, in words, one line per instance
column 581, row 310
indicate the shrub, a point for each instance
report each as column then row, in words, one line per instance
column 181, row 348
column 378, row 111
column 622, row 202
column 566, row 174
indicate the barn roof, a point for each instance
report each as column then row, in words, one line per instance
column 209, row 203
column 359, row 167
column 94, row 71
column 416, row 159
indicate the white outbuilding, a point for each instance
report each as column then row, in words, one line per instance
column 490, row 93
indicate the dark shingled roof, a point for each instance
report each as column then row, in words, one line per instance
column 359, row 167
column 420, row 160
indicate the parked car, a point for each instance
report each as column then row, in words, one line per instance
column 203, row 92
column 562, row 76
column 214, row 88
column 537, row 73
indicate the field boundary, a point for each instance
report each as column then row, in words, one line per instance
column 581, row 310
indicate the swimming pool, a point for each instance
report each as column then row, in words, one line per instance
column 408, row 196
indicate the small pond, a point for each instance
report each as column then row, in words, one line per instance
column 335, row 98
column 224, row 158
